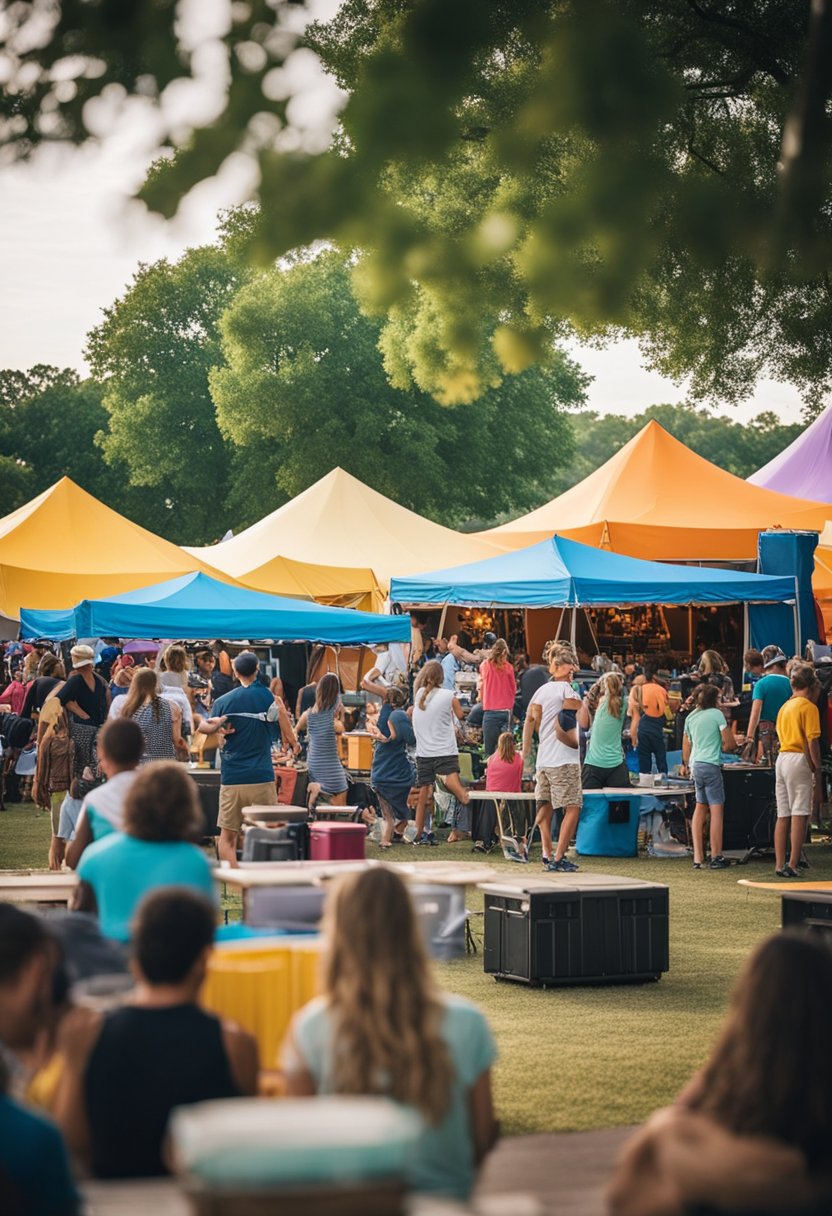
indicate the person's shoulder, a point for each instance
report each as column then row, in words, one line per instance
column 27, row 1131
column 460, row 1010
column 114, row 843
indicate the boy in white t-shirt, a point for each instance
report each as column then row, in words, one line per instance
column 558, row 769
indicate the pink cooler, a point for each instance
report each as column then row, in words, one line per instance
column 337, row 841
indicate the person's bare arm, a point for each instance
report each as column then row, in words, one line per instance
column 729, row 743
column 686, row 750
column 572, row 703
column 464, row 656
column 241, row 1049
column 812, row 751
column 457, row 708
column 287, row 730
column 754, row 718
column 77, row 1036
column 176, row 729
column 584, row 715
column 302, row 723
column 485, row 1129
column 82, row 838
column 83, row 899
column 76, row 709
column 298, row 1081
column 531, row 724
column 635, row 714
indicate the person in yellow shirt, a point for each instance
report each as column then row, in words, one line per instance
column 798, row 729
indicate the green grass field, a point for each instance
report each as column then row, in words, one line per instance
column 580, row 1058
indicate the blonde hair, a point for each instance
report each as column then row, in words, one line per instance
column 431, row 676
column 499, row 653
column 506, row 747
column 144, row 687
column 558, row 652
column 711, row 663
column 613, row 687
column 386, row 1013
column 176, row 658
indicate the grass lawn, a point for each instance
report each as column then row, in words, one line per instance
column 581, row 1058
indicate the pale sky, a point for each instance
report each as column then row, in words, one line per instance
column 71, row 241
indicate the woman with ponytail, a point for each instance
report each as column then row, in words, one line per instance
column 603, row 709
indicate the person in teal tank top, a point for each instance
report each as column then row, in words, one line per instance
column 381, row 1027
column 604, row 709
column 707, row 735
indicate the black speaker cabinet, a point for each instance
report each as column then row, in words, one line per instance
column 207, row 781
column 594, row 929
column 750, row 809
column 810, row 910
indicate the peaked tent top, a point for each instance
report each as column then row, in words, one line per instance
column 559, row 572
column 198, row 606
column 805, row 466
column 341, row 522
column 65, row 544
column 656, row 498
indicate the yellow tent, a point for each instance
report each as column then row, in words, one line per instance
column 65, row 546
column 657, row 499
column 822, row 577
column 351, row 533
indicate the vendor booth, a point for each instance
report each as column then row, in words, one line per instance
column 601, row 600
column 358, row 538
column 657, row 499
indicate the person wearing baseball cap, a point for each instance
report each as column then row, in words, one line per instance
column 768, row 697
column 247, row 771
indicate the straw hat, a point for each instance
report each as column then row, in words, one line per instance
column 82, row 656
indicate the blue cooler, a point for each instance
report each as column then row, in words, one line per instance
column 608, row 826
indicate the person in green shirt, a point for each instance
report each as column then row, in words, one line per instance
column 604, row 709
column 707, row 736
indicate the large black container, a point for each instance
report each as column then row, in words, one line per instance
column 207, row 781
column 750, row 809
column 592, row 929
column 811, row 910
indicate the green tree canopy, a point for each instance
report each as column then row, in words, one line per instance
column 303, row 389
column 152, row 353
column 510, row 169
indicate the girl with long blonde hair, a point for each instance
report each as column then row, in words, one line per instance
column 437, row 752
column 603, row 711
column 382, row 1027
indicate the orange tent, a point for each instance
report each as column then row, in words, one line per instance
column 822, row 577
column 657, row 499
column 65, row 546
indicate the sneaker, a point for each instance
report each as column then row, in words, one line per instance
column 545, row 861
column 512, row 854
column 718, row 863
column 697, row 865
column 564, row 866
column 787, row 872
column 803, row 864
column 425, row 838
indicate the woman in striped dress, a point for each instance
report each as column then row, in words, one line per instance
column 326, row 772
column 160, row 720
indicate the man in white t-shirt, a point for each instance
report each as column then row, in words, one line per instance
column 558, row 770
column 390, row 668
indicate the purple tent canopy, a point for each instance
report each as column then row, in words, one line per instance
column 141, row 647
column 804, row 468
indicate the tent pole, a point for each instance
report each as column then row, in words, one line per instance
column 592, row 632
column 441, row 630
column 574, row 627
column 798, row 647
column 745, row 628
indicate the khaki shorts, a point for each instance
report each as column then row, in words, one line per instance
column 793, row 785
column 234, row 799
column 561, row 786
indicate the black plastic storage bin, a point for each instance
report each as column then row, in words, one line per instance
column 594, row 929
column 750, row 808
column 810, row 910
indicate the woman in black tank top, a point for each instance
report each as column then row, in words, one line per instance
column 146, row 1062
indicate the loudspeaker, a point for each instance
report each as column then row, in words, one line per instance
column 750, row 808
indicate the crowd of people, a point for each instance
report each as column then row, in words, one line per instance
column 125, row 815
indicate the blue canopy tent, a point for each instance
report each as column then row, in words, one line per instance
column 198, row 606
column 561, row 573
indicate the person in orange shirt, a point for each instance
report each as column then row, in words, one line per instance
column 648, row 702
column 798, row 764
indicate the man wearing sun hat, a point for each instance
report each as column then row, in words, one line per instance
column 86, row 699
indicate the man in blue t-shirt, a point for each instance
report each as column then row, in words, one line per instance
column 245, row 718
column 768, row 697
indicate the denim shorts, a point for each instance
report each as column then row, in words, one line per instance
column 707, row 779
